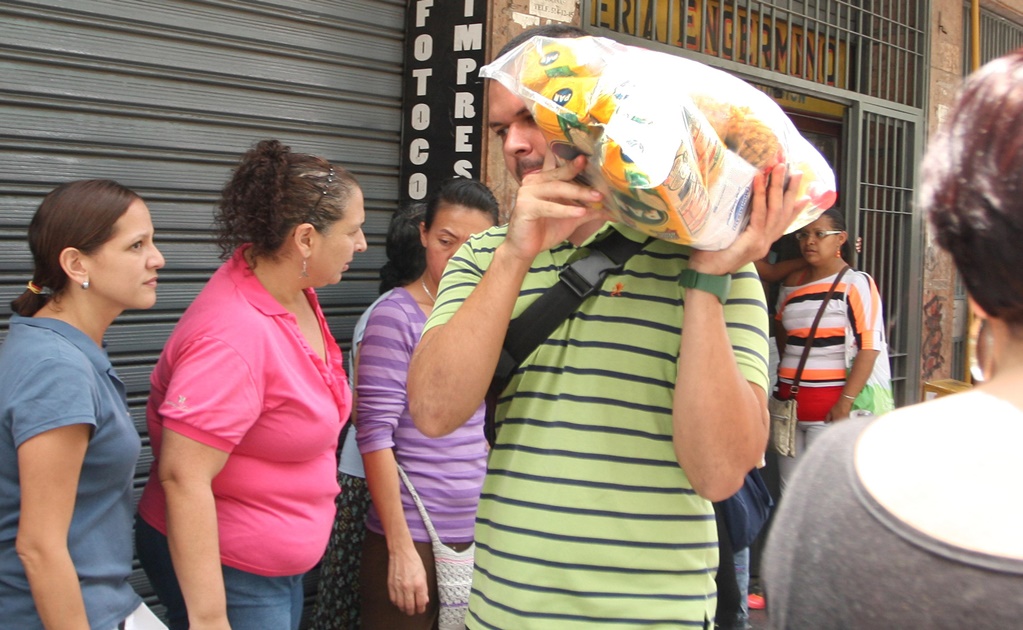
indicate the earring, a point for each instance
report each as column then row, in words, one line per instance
column 983, row 367
column 838, row 253
column 85, row 285
column 305, row 266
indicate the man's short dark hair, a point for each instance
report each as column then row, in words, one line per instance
column 557, row 31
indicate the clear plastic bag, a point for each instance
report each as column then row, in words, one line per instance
column 672, row 143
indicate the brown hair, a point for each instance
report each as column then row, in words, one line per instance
column 272, row 190
column 79, row 214
column 973, row 186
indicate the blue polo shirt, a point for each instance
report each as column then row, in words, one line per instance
column 53, row 375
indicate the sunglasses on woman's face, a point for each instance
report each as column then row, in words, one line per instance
column 818, row 234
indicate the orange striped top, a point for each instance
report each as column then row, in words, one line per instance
column 854, row 310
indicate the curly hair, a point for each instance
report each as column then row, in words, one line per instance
column 272, row 190
column 79, row 214
column 973, row 186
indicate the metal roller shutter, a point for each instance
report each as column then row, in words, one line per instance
column 164, row 96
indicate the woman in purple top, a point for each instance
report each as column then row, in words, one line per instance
column 398, row 580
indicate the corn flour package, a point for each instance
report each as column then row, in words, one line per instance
column 672, row 144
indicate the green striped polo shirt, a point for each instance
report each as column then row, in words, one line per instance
column 586, row 518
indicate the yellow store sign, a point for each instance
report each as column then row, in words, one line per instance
column 760, row 40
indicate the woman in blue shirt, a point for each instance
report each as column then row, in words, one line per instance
column 68, row 445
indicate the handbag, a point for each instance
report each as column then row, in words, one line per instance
column 876, row 395
column 783, row 411
column 783, row 425
column 746, row 511
column 454, row 570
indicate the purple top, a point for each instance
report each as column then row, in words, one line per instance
column 447, row 472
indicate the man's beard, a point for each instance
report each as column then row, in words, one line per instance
column 529, row 164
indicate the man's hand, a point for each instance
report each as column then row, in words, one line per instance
column 772, row 210
column 549, row 208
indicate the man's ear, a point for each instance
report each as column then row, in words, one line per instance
column 75, row 264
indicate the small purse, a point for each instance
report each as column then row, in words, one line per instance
column 783, row 425
column 454, row 570
column 783, row 412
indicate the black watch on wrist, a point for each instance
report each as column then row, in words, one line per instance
column 715, row 285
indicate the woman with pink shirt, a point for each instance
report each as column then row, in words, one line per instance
column 247, row 402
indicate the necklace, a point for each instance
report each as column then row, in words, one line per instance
column 428, row 294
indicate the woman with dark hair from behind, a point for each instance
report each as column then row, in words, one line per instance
column 247, row 402
column 398, row 577
column 68, row 445
column 827, row 386
column 912, row 520
column 337, row 595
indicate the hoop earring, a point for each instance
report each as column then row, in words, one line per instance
column 85, row 285
column 305, row 267
column 983, row 368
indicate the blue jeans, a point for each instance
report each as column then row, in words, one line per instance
column 741, row 560
column 254, row 601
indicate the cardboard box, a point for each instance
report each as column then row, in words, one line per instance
column 944, row 387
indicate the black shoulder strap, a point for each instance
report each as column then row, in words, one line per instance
column 527, row 331
column 813, row 331
column 578, row 281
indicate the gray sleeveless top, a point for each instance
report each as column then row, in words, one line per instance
column 836, row 558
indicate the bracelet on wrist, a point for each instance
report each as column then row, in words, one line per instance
column 853, row 398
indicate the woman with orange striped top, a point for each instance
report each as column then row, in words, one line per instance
column 826, row 389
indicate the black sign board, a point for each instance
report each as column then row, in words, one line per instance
column 442, row 112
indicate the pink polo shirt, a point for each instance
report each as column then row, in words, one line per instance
column 237, row 375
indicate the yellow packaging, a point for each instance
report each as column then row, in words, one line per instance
column 675, row 157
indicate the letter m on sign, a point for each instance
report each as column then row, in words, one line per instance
column 468, row 37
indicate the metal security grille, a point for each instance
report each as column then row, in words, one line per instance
column 884, row 198
column 868, row 55
column 998, row 36
column 870, row 47
column 164, row 96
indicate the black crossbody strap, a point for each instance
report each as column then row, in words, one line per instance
column 526, row 332
column 578, row 281
column 813, row 331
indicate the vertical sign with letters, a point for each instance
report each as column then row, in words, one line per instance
column 442, row 111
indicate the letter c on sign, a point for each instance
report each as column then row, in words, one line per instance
column 419, row 151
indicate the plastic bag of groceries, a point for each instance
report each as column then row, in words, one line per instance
column 672, row 143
